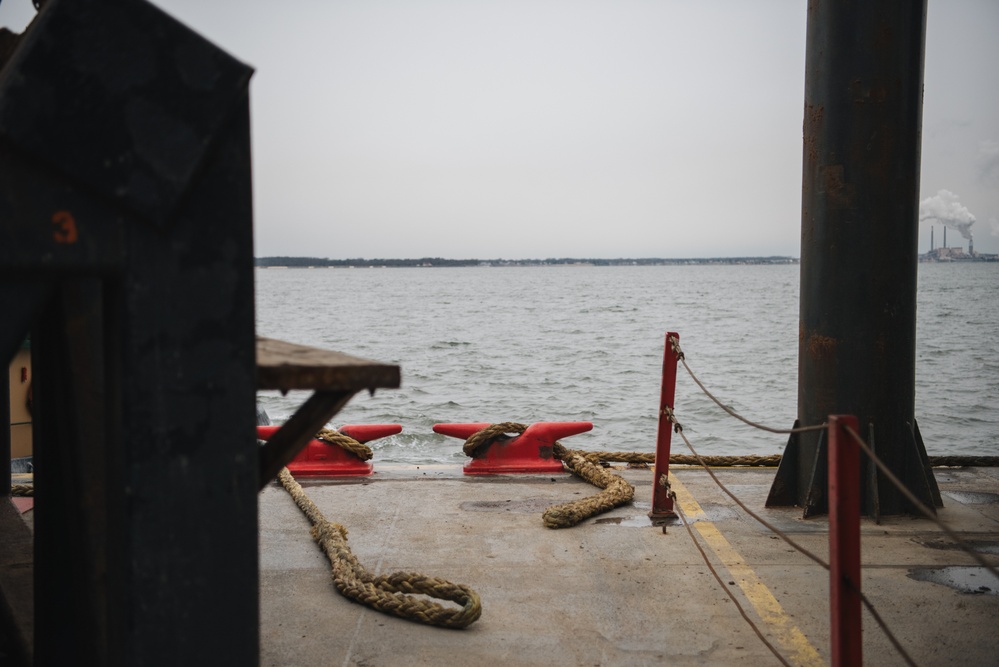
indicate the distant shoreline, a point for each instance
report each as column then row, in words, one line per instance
column 434, row 262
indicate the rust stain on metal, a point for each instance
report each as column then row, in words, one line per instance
column 879, row 92
column 858, row 93
column 814, row 116
column 838, row 192
column 884, row 39
column 821, row 357
column 881, row 346
column 821, row 347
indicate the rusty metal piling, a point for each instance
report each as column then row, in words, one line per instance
column 859, row 227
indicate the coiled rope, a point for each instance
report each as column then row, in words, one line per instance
column 391, row 593
column 615, row 491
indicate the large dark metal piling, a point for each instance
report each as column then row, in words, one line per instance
column 859, row 225
column 126, row 249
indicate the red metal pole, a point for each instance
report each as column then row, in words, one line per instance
column 662, row 503
column 844, row 543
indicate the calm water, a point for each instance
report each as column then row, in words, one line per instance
column 585, row 343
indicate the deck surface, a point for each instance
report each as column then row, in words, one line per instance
column 615, row 590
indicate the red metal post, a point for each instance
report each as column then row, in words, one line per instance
column 844, row 543
column 662, row 503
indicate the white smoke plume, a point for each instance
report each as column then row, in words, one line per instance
column 945, row 208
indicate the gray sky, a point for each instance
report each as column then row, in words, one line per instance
column 565, row 128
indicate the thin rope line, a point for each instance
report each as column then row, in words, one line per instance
column 929, row 514
column 741, row 504
column 884, row 626
column 680, row 355
column 731, row 595
column 867, row 603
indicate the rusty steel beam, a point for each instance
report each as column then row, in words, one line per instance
column 859, row 225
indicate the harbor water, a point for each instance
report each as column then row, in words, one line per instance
column 585, row 343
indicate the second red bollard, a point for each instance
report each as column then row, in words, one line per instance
column 322, row 459
column 529, row 452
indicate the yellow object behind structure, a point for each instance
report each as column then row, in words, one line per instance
column 20, row 416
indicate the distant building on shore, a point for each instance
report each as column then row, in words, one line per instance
column 955, row 253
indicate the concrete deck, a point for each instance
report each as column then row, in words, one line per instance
column 615, row 590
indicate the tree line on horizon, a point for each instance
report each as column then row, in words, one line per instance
column 318, row 262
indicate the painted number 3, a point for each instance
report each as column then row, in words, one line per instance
column 65, row 227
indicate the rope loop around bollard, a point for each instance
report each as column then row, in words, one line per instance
column 347, row 443
column 482, row 439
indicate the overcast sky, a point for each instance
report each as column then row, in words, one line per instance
column 565, row 128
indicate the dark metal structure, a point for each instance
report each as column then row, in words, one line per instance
column 860, row 191
column 126, row 250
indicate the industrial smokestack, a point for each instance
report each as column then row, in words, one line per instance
column 944, row 207
column 931, row 238
column 971, row 246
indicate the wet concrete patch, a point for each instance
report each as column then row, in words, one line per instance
column 968, row 580
column 973, row 497
column 526, row 506
column 628, row 521
column 716, row 512
column 979, row 546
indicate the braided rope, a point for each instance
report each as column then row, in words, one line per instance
column 482, row 439
column 392, row 593
column 983, row 461
column 358, row 449
column 682, row 459
column 767, row 460
column 616, row 491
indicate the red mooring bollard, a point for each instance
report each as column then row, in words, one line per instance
column 844, row 544
column 321, row 459
column 662, row 503
column 529, row 452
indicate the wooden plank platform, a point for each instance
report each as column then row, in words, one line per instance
column 285, row 366
column 333, row 377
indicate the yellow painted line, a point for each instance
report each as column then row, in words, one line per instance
column 794, row 642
